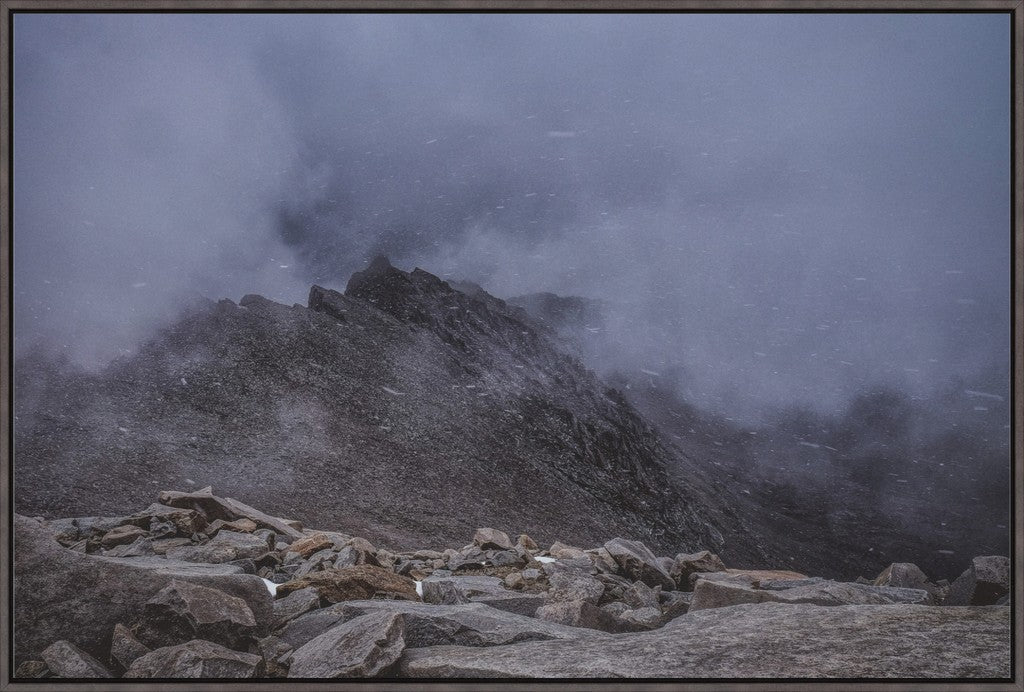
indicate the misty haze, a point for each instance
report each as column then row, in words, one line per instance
column 712, row 311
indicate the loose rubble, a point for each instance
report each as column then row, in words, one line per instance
column 199, row 586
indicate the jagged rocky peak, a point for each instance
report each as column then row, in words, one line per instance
column 472, row 321
column 380, row 273
column 409, row 296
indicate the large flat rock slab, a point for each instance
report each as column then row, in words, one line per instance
column 470, row 624
column 771, row 640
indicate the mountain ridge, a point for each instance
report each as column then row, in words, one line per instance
column 402, row 408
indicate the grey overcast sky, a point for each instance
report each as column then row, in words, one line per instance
column 777, row 208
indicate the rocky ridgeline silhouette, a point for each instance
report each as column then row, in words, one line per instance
column 403, row 410
column 202, row 586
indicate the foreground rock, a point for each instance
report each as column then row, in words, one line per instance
column 65, row 660
column 344, row 607
column 362, row 647
column 195, row 659
column 686, row 564
column 711, row 593
column 125, row 649
column 470, row 624
column 638, row 563
column 61, row 594
column 182, row 611
column 757, row 640
column 983, row 583
column 227, row 509
column 487, row 590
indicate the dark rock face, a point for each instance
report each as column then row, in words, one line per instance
column 378, row 398
column 983, row 583
column 756, row 640
column 182, row 611
column 61, row 594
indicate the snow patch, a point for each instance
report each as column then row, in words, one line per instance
column 271, row 587
column 544, row 558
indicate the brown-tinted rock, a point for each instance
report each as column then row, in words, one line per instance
column 238, row 525
column 196, row 659
column 65, row 660
column 361, row 647
column 121, row 535
column 354, row 583
column 228, row 509
column 186, row 521
column 491, row 539
column 524, row 541
column 560, row 550
column 686, row 564
column 514, row 581
column 311, row 544
column 902, row 574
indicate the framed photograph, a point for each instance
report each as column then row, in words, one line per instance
column 666, row 343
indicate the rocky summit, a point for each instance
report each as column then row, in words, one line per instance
column 197, row 585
